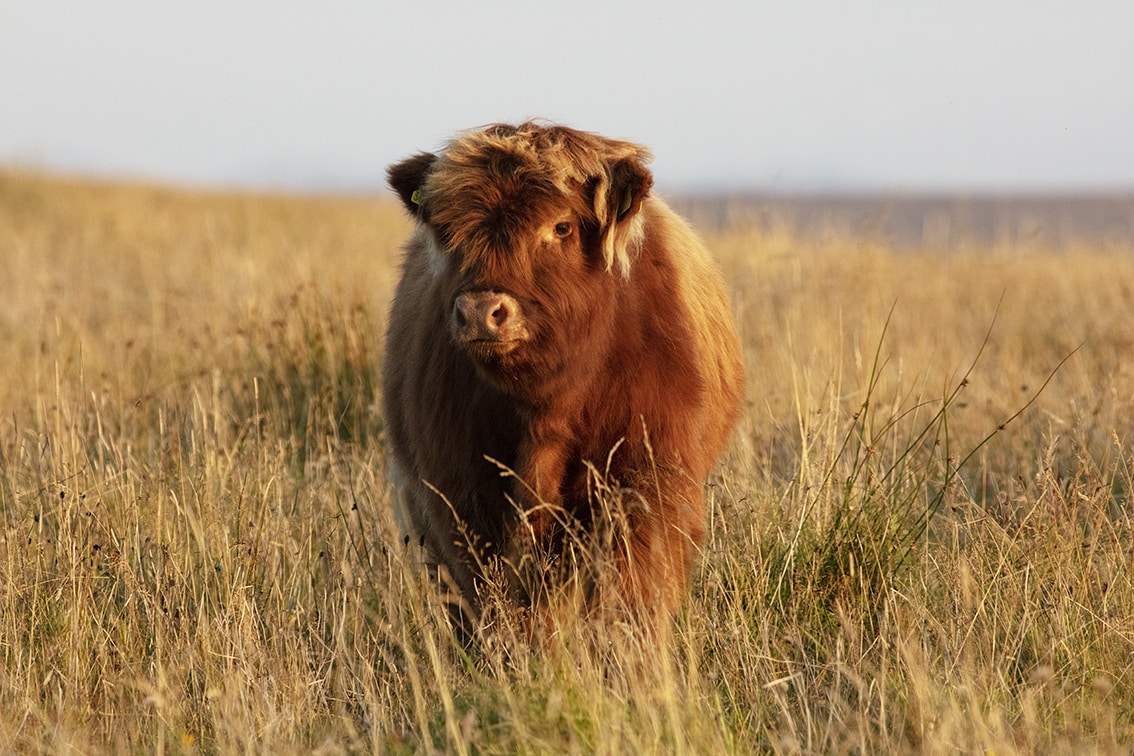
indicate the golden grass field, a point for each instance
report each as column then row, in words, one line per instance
column 918, row 542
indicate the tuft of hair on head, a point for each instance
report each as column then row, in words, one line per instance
column 609, row 177
column 613, row 173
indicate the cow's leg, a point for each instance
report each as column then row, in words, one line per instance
column 655, row 542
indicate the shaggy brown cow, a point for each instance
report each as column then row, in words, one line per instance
column 557, row 320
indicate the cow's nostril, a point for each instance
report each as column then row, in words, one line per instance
column 498, row 316
column 486, row 316
column 459, row 318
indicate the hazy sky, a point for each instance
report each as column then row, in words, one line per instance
column 874, row 94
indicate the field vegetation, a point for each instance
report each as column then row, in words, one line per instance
column 921, row 539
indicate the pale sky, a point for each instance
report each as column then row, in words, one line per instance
column 793, row 96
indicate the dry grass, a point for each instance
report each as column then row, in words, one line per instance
column 197, row 553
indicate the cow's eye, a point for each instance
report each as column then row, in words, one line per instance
column 563, row 230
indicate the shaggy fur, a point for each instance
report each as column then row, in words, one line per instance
column 554, row 318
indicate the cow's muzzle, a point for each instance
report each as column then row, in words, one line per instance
column 487, row 317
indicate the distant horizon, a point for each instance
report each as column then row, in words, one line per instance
column 693, row 190
column 939, row 220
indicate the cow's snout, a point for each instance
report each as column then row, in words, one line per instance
column 487, row 316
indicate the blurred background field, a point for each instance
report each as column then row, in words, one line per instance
column 921, row 538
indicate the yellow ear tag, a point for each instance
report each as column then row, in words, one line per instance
column 415, row 198
column 626, row 199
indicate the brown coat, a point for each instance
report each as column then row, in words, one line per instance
column 554, row 318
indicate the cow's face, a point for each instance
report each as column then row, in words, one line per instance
column 530, row 230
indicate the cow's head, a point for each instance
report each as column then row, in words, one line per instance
column 530, row 229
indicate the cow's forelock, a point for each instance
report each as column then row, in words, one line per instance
column 491, row 206
column 492, row 192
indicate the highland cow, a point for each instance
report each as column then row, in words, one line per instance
column 559, row 338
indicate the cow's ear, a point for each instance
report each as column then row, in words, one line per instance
column 407, row 178
column 630, row 182
column 618, row 199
